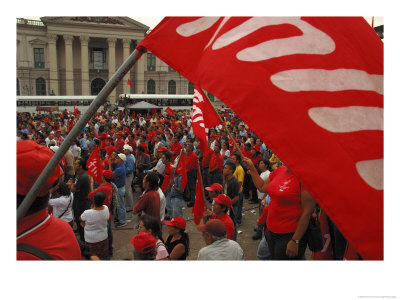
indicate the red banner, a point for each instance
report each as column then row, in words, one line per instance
column 170, row 111
column 94, row 166
column 181, row 169
column 319, row 81
column 129, row 82
column 199, row 203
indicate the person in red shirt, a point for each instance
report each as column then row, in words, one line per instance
column 149, row 202
column 109, row 147
column 166, row 160
column 143, row 143
column 216, row 165
column 107, row 189
column 37, row 229
column 192, row 164
column 175, row 148
column 255, row 158
column 120, row 142
column 289, row 212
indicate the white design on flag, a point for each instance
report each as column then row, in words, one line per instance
column 197, row 118
column 312, row 41
column 347, row 119
column 372, row 172
column 327, row 80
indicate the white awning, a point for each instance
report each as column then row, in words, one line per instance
column 143, row 105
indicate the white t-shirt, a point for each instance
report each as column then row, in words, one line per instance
column 95, row 224
column 264, row 176
column 60, row 205
column 163, row 203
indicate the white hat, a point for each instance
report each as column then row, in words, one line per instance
column 122, row 156
column 54, row 148
column 127, row 147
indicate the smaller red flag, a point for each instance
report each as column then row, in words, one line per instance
column 129, row 82
column 181, row 169
column 133, row 114
column 95, row 169
column 75, row 112
column 170, row 111
column 153, row 111
column 199, row 202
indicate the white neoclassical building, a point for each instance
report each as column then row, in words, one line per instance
column 77, row 55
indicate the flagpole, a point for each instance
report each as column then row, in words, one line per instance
column 224, row 124
column 94, row 106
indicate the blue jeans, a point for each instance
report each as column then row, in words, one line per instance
column 174, row 206
column 263, row 250
column 238, row 209
column 121, row 211
column 192, row 176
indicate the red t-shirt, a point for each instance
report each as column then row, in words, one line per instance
column 110, row 150
column 284, row 210
column 175, row 149
column 149, row 203
column 206, row 158
column 247, row 154
column 192, row 161
column 167, row 177
column 217, row 161
column 120, row 144
column 52, row 235
column 230, row 227
column 144, row 145
column 106, row 189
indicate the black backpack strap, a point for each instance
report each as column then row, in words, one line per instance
column 34, row 251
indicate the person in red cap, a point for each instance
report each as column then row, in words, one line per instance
column 144, row 246
column 177, row 242
column 218, row 246
column 175, row 148
column 40, row 235
column 107, row 188
column 220, row 207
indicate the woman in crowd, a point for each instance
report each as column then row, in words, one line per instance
column 144, row 246
column 289, row 211
column 177, row 242
column 61, row 202
column 150, row 225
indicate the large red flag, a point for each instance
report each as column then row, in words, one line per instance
column 312, row 90
column 94, row 166
column 181, row 169
column 199, row 203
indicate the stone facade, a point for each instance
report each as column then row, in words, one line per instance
column 78, row 55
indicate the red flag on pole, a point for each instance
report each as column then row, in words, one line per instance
column 170, row 111
column 181, row 169
column 75, row 112
column 320, row 82
column 129, row 82
column 153, row 112
column 95, row 169
column 133, row 114
column 199, row 203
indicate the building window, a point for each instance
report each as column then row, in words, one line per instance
column 171, row 87
column 38, row 57
column 96, row 86
column 190, row 88
column 151, row 62
column 170, row 69
column 40, row 87
column 18, row 92
column 151, row 87
column 98, row 58
column 211, row 97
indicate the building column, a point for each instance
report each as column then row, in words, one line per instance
column 126, row 49
column 69, row 65
column 111, row 66
column 140, row 74
column 53, row 65
column 85, row 65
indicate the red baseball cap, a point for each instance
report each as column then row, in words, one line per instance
column 215, row 187
column 176, row 222
column 120, row 133
column 214, row 226
column 103, row 135
column 31, row 160
column 108, row 174
column 143, row 242
column 223, row 199
column 163, row 149
column 256, row 147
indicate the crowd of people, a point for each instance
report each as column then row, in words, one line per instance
column 142, row 152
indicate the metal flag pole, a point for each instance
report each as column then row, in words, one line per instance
column 94, row 106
